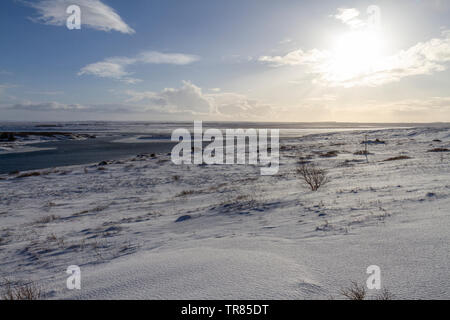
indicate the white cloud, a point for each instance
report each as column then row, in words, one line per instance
column 424, row 58
column 186, row 102
column 94, row 14
column 239, row 106
column 232, row 106
column 114, row 68
column 324, row 98
column 349, row 16
column 55, row 106
column 155, row 57
column 4, row 87
column 47, row 106
column 190, row 99
column 296, row 57
column 47, row 93
column 286, row 41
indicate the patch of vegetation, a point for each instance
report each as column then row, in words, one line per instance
column 385, row 295
column 439, row 150
column 398, row 158
column 29, row 174
column 303, row 159
column 187, row 193
column 358, row 292
column 362, row 153
column 376, row 141
column 312, row 175
column 7, row 136
column 354, row 291
column 47, row 219
column 329, row 154
column 17, row 291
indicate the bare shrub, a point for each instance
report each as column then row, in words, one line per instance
column 358, row 292
column 354, row 291
column 185, row 193
column 385, row 295
column 314, row 176
column 27, row 291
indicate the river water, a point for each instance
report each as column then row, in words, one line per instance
column 73, row 152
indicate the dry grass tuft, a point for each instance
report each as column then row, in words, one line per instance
column 358, row 292
column 185, row 193
column 17, row 291
column 354, row 292
column 47, row 219
column 385, row 295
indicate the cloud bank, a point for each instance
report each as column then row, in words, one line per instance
column 185, row 102
column 190, row 99
column 424, row 58
column 48, row 106
column 115, row 68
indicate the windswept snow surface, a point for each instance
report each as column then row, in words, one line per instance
column 244, row 236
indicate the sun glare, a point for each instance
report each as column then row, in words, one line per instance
column 354, row 54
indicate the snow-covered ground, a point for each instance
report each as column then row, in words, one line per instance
column 248, row 236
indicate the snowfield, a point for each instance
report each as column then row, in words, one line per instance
column 241, row 235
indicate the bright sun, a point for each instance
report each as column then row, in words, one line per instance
column 354, row 54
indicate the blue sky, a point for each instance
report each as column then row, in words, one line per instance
column 258, row 60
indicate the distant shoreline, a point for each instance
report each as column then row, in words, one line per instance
column 59, row 153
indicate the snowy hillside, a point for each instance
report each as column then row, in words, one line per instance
column 241, row 235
